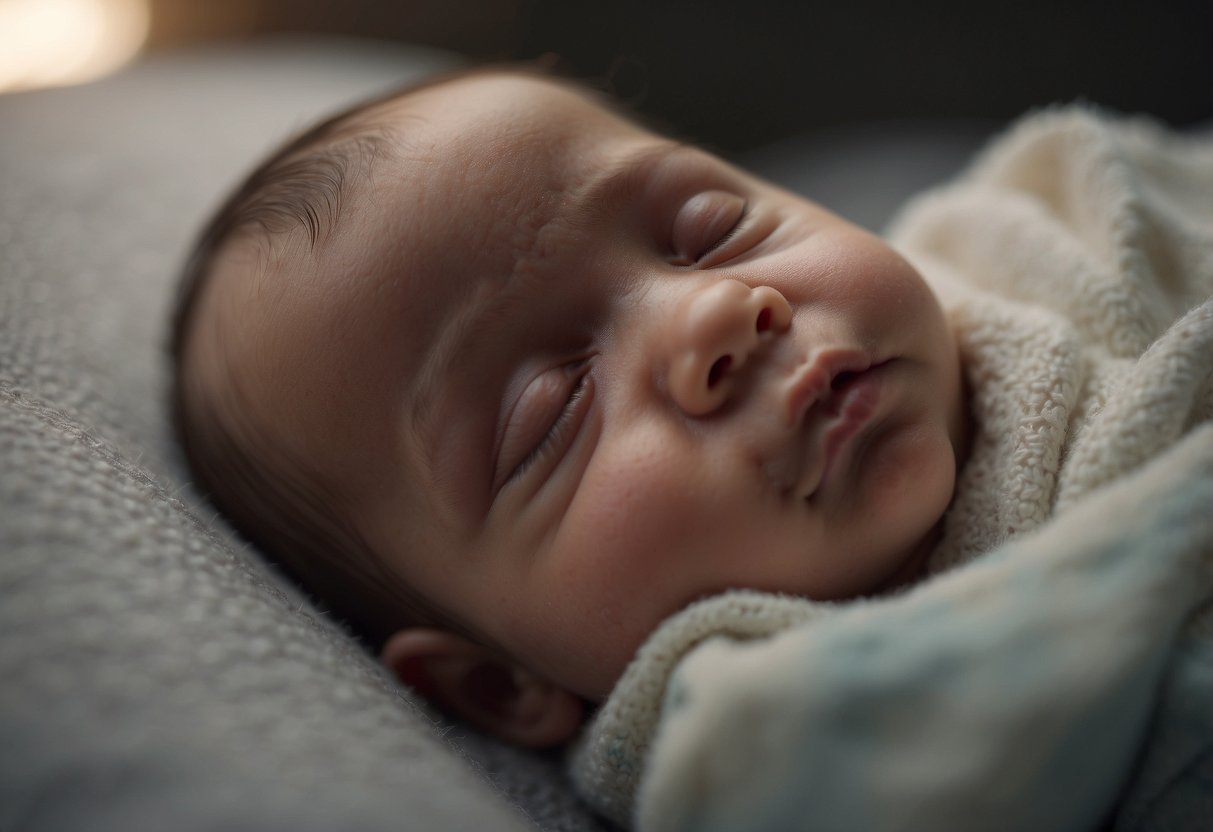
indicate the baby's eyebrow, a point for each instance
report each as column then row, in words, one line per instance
column 627, row 175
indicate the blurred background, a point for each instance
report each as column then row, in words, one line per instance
column 734, row 74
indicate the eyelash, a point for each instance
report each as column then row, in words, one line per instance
column 728, row 235
column 556, row 431
column 732, row 232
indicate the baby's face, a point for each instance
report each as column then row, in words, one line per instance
column 570, row 376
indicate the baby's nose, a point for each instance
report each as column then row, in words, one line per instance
column 713, row 331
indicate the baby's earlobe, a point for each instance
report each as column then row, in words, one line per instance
column 472, row 683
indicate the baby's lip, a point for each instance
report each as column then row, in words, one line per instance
column 850, row 406
column 813, row 381
column 829, row 422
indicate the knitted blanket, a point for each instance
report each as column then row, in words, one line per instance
column 1055, row 672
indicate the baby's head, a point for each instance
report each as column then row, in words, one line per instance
column 506, row 379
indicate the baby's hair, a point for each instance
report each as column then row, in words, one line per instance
column 278, row 502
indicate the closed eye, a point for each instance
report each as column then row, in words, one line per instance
column 730, row 234
column 558, row 434
column 704, row 224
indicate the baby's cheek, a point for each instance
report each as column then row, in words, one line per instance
column 633, row 523
column 882, row 287
column 910, row 482
column 611, row 577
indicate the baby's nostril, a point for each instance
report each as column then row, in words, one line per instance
column 719, row 367
column 842, row 379
column 764, row 320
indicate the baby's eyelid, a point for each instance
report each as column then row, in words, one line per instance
column 545, row 433
column 704, row 223
column 728, row 235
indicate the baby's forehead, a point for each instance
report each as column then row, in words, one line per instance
column 511, row 115
column 482, row 161
column 465, row 172
column 481, row 94
column 442, row 151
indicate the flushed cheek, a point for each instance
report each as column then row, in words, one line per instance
column 613, row 573
column 849, row 286
column 636, row 533
column 864, row 271
column 909, row 481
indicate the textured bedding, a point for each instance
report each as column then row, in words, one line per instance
column 1056, row 670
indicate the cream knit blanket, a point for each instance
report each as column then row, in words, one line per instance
column 1075, row 258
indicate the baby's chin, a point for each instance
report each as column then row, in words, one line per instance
column 914, row 566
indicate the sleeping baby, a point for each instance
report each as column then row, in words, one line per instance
column 511, row 384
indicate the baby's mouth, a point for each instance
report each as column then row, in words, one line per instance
column 831, row 424
column 821, row 378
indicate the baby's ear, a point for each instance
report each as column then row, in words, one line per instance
column 495, row 695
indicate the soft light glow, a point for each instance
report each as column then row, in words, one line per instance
column 53, row 42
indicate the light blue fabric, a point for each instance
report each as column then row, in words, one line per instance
column 1060, row 681
column 1173, row 787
